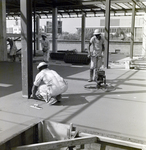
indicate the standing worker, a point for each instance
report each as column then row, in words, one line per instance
column 45, row 48
column 48, row 85
column 97, row 41
column 13, row 49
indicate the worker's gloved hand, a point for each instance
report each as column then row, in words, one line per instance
column 39, row 96
column 89, row 54
column 43, row 50
column 33, row 96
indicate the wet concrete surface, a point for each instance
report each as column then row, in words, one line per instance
column 119, row 113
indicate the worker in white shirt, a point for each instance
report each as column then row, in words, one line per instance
column 96, row 54
column 45, row 47
column 53, row 85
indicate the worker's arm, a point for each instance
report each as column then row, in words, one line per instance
column 11, row 44
column 89, row 49
column 103, row 44
column 34, row 89
column 103, row 47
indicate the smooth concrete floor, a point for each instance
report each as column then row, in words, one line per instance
column 120, row 113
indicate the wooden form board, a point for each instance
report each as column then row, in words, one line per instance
column 82, row 138
column 59, row 144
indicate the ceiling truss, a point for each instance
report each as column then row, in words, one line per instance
column 75, row 8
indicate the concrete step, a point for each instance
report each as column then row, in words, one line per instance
column 139, row 61
column 140, row 68
column 139, row 64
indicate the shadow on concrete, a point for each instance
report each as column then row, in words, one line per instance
column 72, row 100
column 99, row 94
column 11, row 79
column 79, row 104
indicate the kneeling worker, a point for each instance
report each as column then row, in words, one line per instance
column 53, row 85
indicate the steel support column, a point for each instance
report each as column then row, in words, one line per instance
column 83, row 33
column 107, row 30
column 37, row 33
column 144, row 37
column 26, row 41
column 54, row 30
column 132, row 31
column 34, row 25
column 3, row 48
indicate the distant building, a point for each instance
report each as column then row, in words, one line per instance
column 16, row 29
column 119, row 25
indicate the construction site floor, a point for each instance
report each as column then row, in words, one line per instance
column 119, row 113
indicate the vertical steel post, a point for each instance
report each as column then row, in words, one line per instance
column 34, row 13
column 107, row 30
column 26, row 52
column 83, row 33
column 54, row 30
column 3, row 47
column 37, row 32
column 132, row 30
column 144, row 37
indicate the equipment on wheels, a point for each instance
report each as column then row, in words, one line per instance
column 100, row 79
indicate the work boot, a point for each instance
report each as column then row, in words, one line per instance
column 52, row 101
column 91, row 75
column 58, row 97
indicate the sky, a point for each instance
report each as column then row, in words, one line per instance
column 68, row 24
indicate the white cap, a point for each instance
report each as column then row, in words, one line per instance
column 41, row 64
column 96, row 32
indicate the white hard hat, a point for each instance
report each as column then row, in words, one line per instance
column 41, row 64
column 96, row 32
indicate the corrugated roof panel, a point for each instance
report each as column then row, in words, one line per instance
column 124, row 6
column 90, row 7
column 116, row 6
column 128, row 5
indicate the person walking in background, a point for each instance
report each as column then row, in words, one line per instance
column 45, row 48
column 97, row 42
column 13, row 49
column 53, row 85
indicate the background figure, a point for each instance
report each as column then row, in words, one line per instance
column 13, row 49
column 97, row 41
column 48, row 85
column 45, row 48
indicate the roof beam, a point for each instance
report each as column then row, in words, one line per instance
column 139, row 4
column 125, row 1
column 78, row 7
